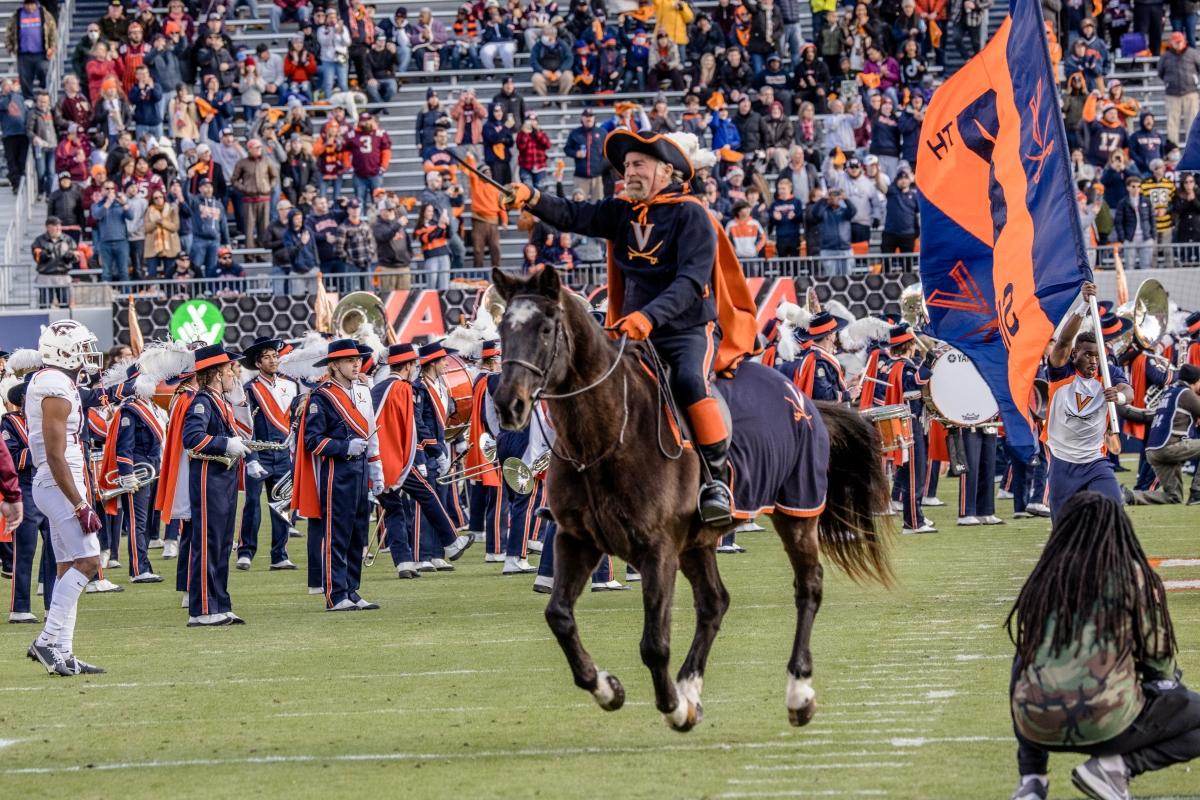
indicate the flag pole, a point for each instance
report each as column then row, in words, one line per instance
column 1114, row 425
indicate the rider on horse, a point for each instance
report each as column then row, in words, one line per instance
column 673, row 279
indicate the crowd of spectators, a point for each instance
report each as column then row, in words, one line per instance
column 170, row 143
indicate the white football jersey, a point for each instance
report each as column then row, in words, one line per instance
column 55, row 383
column 1077, row 419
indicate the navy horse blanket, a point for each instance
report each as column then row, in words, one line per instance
column 780, row 450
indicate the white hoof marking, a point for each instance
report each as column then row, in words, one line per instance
column 800, row 693
column 678, row 717
column 604, row 691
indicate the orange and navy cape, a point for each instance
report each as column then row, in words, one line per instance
column 806, row 375
column 866, row 396
column 306, row 499
column 474, row 457
column 736, row 311
column 164, row 497
column 1137, row 382
column 397, row 431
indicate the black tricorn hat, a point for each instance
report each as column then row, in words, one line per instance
column 621, row 142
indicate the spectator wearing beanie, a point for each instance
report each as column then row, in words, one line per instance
column 585, row 144
column 532, row 146
column 901, row 222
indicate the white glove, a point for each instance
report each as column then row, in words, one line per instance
column 235, row 447
column 486, row 442
column 424, row 470
column 127, row 482
column 255, row 471
column 375, row 473
column 443, row 464
column 356, row 447
column 461, row 446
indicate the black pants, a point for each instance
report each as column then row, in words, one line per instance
column 898, row 242
column 32, row 69
column 16, row 148
column 1166, row 732
column 859, row 233
column 684, row 352
column 1147, row 20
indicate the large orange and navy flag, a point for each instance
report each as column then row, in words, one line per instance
column 1002, row 255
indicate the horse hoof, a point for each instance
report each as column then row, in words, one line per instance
column 609, row 694
column 801, row 701
column 686, row 715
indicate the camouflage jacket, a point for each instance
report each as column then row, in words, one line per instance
column 1087, row 694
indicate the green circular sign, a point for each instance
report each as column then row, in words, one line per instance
column 198, row 321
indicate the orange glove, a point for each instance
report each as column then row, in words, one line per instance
column 636, row 326
column 517, row 195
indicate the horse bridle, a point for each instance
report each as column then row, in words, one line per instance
column 540, row 392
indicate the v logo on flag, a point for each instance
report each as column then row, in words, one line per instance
column 641, row 232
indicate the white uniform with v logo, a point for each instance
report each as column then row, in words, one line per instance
column 1077, row 419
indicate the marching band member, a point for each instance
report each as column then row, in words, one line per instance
column 523, row 523
column 172, row 497
column 338, row 469
column 976, row 485
column 55, row 411
column 270, row 397
column 209, row 429
column 1077, row 417
column 135, row 437
column 673, row 278
column 1143, row 371
column 906, row 376
column 1172, row 442
column 94, row 437
column 817, row 372
column 431, row 403
column 485, row 495
column 405, row 467
column 14, row 429
column 770, row 335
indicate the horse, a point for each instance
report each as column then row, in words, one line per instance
column 640, row 502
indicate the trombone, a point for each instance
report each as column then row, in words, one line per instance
column 487, row 446
column 520, row 476
column 144, row 473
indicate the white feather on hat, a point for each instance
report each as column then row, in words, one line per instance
column 114, row 376
column 300, row 364
column 24, row 360
column 367, row 336
column 161, row 361
column 861, row 332
column 838, row 310
column 6, row 384
column 791, row 317
column 700, row 156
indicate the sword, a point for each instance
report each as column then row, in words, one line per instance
column 485, row 178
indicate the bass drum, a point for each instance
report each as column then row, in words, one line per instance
column 458, row 379
column 957, row 394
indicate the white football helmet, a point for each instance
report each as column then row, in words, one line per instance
column 69, row 345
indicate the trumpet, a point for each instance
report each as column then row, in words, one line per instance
column 225, row 461
column 144, row 473
column 487, row 446
column 280, row 501
column 519, row 476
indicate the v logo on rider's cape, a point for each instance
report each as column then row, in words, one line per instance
column 641, row 232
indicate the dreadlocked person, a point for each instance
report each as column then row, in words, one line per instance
column 673, row 278
column 1095, row 669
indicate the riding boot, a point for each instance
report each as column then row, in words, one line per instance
column 716, row 502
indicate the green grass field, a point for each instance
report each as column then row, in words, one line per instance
column 456, row 689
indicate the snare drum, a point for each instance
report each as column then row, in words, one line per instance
column 894, row 424
column 957, row 394
column 457, row 377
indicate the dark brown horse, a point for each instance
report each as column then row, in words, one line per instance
column 612, row 489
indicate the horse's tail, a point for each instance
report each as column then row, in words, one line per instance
column 853, row 532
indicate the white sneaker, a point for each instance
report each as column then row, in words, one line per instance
column 441, row 565
column 147, row 577
column 170, row 549
column 41, row 590
column 20, row 617
column 543, row 584
column 897, row 505
column 478, row 536
column 366, row 605
column 1022, row 515
column 207, row 621
column 991, row 519
column 517, row 566
column 155, row 544
column 459, row 546
column 407, row 569
column 925, row 528
column 1038, row 509
column 105, row 585
column 316, row 590
column 113, row 564
column 534, row 547
column 243, row 563
column 969, row 521
column 1003, row 494
column 184, row 602
column 726, row 548
column 493, row 558
column 933, row 502
column 345, row 605
column 281, row 565
column 749, row 527
column 426, row 566
column 609, row 586
column 632, row 575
